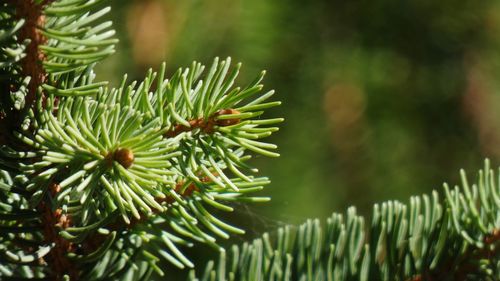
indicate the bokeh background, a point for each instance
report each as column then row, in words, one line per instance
column 383, row 99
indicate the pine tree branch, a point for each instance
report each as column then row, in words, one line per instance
column 100, row 167
column 137, row 167
column 455, row 239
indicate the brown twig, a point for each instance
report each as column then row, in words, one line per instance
column 52, row 221
column 206, row 125
column 31, row 64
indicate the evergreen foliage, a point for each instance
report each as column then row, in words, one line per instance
column 456, row 238
column 100, row 183
column 95, row 174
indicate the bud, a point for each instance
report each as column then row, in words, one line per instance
column 227, row 122
column 124, row 156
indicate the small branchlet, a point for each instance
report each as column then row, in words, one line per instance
column 208, row 125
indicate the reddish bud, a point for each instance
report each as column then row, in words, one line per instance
column 227, row 122
column 124, row 156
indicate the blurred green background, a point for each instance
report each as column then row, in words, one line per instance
column 382, row 99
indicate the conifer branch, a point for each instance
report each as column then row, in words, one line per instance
column 429, row 239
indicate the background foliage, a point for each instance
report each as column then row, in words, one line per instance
column 383, row 99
